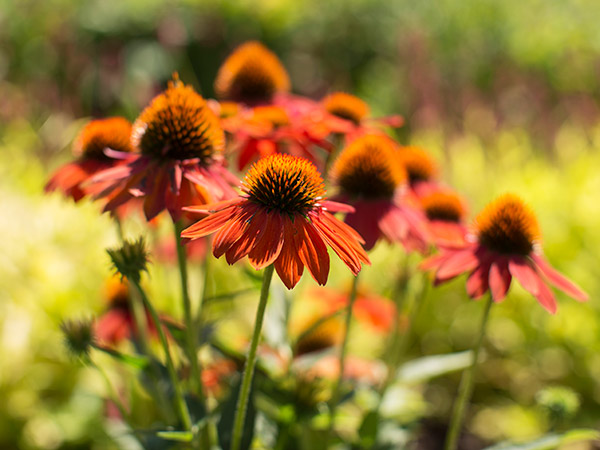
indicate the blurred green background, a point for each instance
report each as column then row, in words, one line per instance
column 505, row 95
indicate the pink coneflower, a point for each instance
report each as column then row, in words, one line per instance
column 505, row 245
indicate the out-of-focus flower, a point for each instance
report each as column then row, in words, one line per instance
column 506, row 244
column 118, row 323
column 251, row 74
column 445, row 211
column 328, row 333
column 131, row 259
column 355, row 112
column 180, row 159
column 559, row 402
column 369, row 177
column 89, row 149
column 213, row 375
column 281, row 219
column 421, row 168
column 373, row 310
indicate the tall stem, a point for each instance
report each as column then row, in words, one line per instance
column 335, row 398
column 182, row 408
column 465, row 388
column 190, row 335
column 242, row 404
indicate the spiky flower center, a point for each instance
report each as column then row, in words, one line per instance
column 368, row 168
column 284, row 183
column 97, row 135
column 419, row 165
column 252, row 73
column 116, row 291
column 178, row 124
column 443, row 206
column 507, row 225
column 346, row 106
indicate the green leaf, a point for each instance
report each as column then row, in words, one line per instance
column 550, row 441
column 368, row 429
column 423, row 369
column 178, row 436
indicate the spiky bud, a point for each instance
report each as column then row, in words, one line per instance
column 131, row 259
column 79, row 337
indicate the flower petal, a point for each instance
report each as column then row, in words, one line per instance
column 478, row 281
column 247, row 241
column 288, row 265
column 209, row 224
column 546, row 297
column 269, row 243
column 459, row 262
column 233, row 230
column 499, row 279
column 558, row 280
column 313, row 251
column 522, row 271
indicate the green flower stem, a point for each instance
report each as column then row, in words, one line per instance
column 190, row 328
column 465, row 388
column 119, row 225
column 242, row 404
column 337, row 391
column 112, row 393
column 182, row 408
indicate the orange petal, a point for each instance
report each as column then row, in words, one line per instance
column 270, row 241
column 209, row 224
column 288, row 265
column 313, row 251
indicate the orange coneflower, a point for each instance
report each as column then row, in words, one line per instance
column 421, row 168
column 282, row 219
column 251, row 74
column 445, row 211
column 506, row 244
column 369, row 177
column 89, row 148
column 117, row 323
column 180, row 159
column 267, row 129
column 354, row 111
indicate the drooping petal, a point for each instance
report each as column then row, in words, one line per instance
column 313, row 251
column 499, row 279
column 269, row 242
column 558, row 280
column 546, row 297
column 332, row 206
column 288, row 265
column 247, row 241
column 209, row 224
column 521, row 269
column 212, row 207
column 461, row 261
column 233, row 230
column 478, row 281
column 156, row 190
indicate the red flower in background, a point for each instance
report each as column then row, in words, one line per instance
column 252, row 74
column 506, row 245
column 421, row 168
column 89, row 148
column 180, row 159
column 445, row 211
column 355, row 113
column 370, row 178
column 282, row 219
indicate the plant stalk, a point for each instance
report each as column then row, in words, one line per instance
column 242, row 404
column 465, row 388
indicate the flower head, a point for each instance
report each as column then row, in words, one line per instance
column 283, row 219
column 89, row 149
column 354, row 112
column 370, row 178
column 506, row 244
column 346, row 106
column 131, row 259
column 178, row 124
column 180, row 159
column 445, row 211
column 251, row 74
column 419, row 165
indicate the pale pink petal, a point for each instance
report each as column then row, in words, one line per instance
column 499, row 279
column 558, row 280
column 521, row 269
column 477, row 283
column 461, row 261
column 546, row 297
